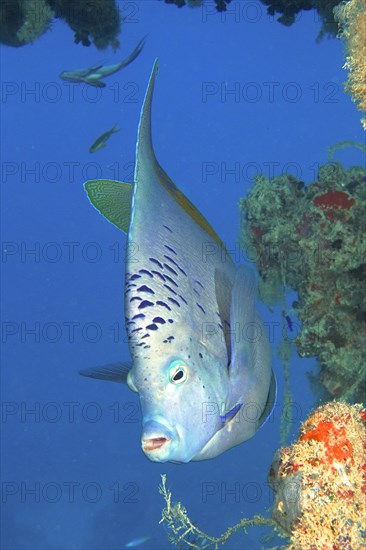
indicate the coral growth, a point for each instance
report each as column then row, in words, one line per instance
column 220, row 4
column 23, row 21
column 312, row 239
column 96, row 21
column 320, row 481
column 288, row 10
column 352, row 21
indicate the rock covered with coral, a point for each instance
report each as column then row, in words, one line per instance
column 351, row 17
column 94, row 21
column 312, row 239
column 320, row 481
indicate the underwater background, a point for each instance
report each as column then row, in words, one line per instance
column 237, row 95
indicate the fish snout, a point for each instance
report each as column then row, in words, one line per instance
column 156, row 440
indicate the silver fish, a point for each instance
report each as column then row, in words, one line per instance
column 201, row 358
column 93, row 75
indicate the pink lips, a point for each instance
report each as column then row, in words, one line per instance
column 154, row 443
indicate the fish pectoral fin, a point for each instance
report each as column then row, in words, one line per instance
column 115, row 372
column 112, row 199
column 242, row 317
column 223, row 290
column 271, row 401
column 94, row 82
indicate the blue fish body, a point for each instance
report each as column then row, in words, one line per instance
column 200, row 356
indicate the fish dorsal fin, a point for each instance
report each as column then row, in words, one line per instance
column 144, row 146
column 145, row 152
column 187, row 206
column 114, row 372
column 112, row 199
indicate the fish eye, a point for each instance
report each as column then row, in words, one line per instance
column 178, row 373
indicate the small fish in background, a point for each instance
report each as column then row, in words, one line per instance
column 93, row 75
column 137, row 542
column 289, row 322
column 101, row 141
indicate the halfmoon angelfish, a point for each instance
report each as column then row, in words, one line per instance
column 200, row 355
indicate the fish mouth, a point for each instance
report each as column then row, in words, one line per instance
column 154, row 443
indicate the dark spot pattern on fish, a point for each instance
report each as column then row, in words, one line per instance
column 145, row 336
column 161, row 303
column 196, row 291
column 171, row 260
column 175, row 263
column 135, row 298
column 156, row 262
column 146, row 272
column 201, row 308
column 134, row 277
column 136, row 329
column 168, row 228
column 173, row 301
column 145, row 303
column 171, row 289
column 199, row 283
column 162, row 277
column 170, row 249
column 170, row 321
column 159, row 320
column 167, row 266
column 139, row 316
column 184, row 300
column 167, row 278
column 153, row 326
column 200, row 354
column 145, row 288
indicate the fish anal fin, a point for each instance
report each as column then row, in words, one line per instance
column 94, row 82
column 115, row 372
column 112, row 199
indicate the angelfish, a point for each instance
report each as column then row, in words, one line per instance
column 200, row 356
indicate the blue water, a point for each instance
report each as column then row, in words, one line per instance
column 73, row 475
